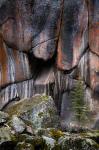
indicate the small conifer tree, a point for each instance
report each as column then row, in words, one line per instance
column 79, row 106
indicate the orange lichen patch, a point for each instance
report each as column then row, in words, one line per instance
column 76, row 47
column 60, row 64
column 3, row 63
column 94, row 38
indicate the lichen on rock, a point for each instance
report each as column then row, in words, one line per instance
column 39, row 111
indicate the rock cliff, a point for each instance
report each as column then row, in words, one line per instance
column 45, row 47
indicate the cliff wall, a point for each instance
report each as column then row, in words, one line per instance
column 46, row 46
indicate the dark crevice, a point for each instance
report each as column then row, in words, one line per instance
column 70, row 70
column 38, row 65
column 94, row 53
column 8, row 145
column 10, row 102
column 31, row 51
column 16, row 82
column 54, row 38
column 95, row 139
column 87, row 85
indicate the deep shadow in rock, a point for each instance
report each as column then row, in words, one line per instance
column 8, row 146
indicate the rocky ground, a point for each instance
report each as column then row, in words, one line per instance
column 33, row 124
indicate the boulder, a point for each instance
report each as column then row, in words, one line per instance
column 77, row 143
column 39, row 111
column 50, row 142
column 6, row 135
column 24, row 146
column 17, row 124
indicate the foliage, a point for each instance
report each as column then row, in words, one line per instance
column 79, row 106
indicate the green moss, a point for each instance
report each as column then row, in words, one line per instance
column 26, row 105
column 57, row 147
column 32, row 140
column 56, row 134
column 40, row 114
column 44, row 97
column 7, row 135
column 23, row 146
column 39, row 142
column 51, row 112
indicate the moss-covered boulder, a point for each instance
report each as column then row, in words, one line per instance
column 77, row 142
column 38, row 111
column 34, row 142
column 24, row 146
column 33, row 124
column 6, row 135
column 47, row 139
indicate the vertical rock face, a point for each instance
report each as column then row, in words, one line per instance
column 45, row 47
column 73, row 38
column 14, row 66
column 27, row 28
column 32, row 25
column 94, row 26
